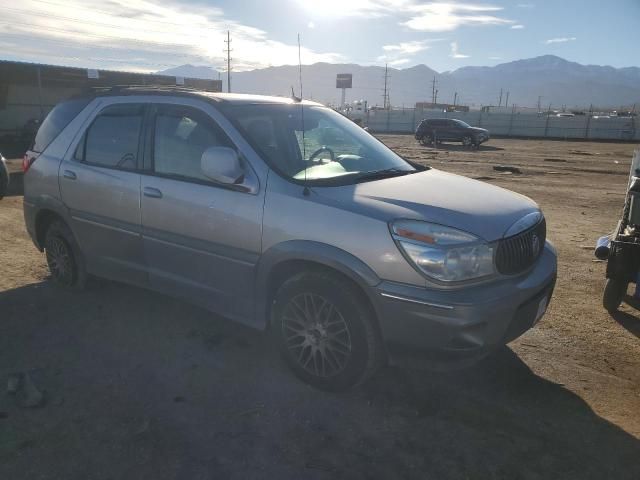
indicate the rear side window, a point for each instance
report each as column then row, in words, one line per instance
column 113, row 138
column 58, row 118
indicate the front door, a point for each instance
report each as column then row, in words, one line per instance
column 100, row 185
column 201, row 239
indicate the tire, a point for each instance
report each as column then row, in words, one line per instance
column 325, row 331
column 4, row 181
column 614, row 292
column 467, row 141
column 64, row 258
column 426, row 140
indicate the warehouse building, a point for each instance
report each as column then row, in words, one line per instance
column 28, row 91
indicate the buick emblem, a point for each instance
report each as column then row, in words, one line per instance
column 535, row 245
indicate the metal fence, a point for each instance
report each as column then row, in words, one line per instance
column 516, row 124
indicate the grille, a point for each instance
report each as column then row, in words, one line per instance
column 516, row 254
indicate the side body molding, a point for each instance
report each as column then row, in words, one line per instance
column 309, row 251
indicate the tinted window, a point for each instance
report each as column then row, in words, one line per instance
column 112, row 139
column 58, row 118
column 181, row 136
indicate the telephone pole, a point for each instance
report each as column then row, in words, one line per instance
column 385, row 95
column 500, row 101
column 433, row 90
column 506, row 103
column 455, row 98
column 435, row 99
column 228, row 51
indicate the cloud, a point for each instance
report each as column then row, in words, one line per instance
column 559, row 40
column 311, row 25
column 400, row 53
column 455, row 53
column 443, row 16
column 140, row 35
column 399, row 61
column 408, row 47
column 354, row 8
column 517, row 27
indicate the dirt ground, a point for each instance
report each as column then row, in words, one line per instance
column 140, row 386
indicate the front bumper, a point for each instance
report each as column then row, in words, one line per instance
column 448, row 328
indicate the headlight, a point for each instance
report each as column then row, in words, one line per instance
column 443, row 253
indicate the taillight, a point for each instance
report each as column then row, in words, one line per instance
column 27, row 161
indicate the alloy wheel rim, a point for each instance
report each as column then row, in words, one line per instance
column 59, row 260
column 316, row 334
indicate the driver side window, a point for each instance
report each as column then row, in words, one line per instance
column 113, row 138
column 180, row 137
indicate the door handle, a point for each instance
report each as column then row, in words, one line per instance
column 69, row 174
column 152, row 192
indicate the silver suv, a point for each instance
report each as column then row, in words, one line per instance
column 284, row 215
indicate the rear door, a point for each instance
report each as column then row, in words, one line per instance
column 455, row 130
column 100, row 184
column 201, row 240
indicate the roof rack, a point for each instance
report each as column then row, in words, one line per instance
column 120, row 88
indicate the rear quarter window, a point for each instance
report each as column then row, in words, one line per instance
column 56, row 121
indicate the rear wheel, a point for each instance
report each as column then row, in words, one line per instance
column 614, row 292
column 467, row 141
column 426, row 140
column 63, row 257
column 325, row 331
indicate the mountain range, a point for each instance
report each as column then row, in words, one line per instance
column 548, row 79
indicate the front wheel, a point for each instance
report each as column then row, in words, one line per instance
column 614, row 292
column 467, row 141
column 325, row 331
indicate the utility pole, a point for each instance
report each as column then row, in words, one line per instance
column 539, row 103
column 435, row 99
column 506, row 103
column 455, row 98
column 433, row 90
column 385, row 95
column 500, row 101
column 228, row 51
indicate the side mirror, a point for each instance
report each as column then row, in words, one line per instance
column 221, row 164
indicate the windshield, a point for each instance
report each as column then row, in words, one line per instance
column 329, row 150
column 462, row 124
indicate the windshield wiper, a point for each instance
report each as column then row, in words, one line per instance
column 383, row 173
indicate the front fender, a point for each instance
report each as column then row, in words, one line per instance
column 310, row 251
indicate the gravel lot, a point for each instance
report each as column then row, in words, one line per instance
column 140, row 386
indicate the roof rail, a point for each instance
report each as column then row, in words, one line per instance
column 119, row 88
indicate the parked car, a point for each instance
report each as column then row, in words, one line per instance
column 286, row 216
column 4, row 177
column 450, row 130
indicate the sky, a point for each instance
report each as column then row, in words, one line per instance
column 152, row 35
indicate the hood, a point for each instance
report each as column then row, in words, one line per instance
column 434, row 196
column 478, row 129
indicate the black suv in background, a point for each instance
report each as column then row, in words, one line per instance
column 450, row 130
